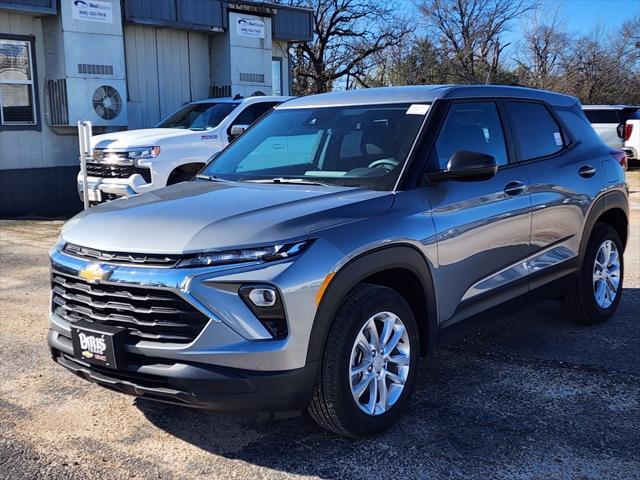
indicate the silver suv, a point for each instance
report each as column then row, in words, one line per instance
column 317, row 257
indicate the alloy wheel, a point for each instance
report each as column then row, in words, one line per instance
column 606, row 274
column 380, row 362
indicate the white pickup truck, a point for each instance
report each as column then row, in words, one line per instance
column 135, row 161
column 618, row 126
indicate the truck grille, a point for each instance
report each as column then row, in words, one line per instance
column 112, row 170
column 126, row 258
column 148, row 314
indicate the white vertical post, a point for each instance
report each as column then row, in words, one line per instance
column 84, row 141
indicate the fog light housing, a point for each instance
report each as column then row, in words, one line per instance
column 264, row 302
column 263, row 296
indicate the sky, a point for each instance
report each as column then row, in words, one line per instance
column 581, row 15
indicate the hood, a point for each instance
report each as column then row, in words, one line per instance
column 148, row 137
column 199, row 216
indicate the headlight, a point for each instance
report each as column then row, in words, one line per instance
column 265, row 254
column 143, row 153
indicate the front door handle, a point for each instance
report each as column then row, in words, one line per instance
column 587, row 171
column 514, row 188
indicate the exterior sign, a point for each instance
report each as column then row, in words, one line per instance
column 92, row 11
column 250, row 27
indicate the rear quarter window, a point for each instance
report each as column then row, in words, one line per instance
column 536, row 132
column 602, row 116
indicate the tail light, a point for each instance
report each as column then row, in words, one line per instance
column 620, row 157
column 628, row 128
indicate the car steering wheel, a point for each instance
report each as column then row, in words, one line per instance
column 386, row 163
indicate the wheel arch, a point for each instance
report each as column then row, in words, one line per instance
column 189, row 167
column 401, row 267
column 611, row 208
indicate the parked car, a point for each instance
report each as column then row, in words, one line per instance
column 618, row 126
column 136, row 161
column 336, row 241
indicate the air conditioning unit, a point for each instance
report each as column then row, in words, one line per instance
column 85, row 66
column 101, row 101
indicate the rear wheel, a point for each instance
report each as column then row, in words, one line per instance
column 369, row 365
column 597, row 293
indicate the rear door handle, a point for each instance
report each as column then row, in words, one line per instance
column 514, row 188
column 586, row 171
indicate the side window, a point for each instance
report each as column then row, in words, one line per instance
column 536, row 131
column 472, row 126
column 253, row 112
column 17, row 84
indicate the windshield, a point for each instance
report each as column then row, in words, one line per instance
column 364, row 146
column 198, row 116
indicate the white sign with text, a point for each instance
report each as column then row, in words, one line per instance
column 92, row 11
column 250, row 27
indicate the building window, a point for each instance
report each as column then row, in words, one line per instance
column 276, row 75
column 17, row 83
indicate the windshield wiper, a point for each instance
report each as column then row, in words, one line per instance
column 295, row 181
column 212, row 178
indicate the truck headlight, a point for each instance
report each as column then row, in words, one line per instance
column 225, row 257
column 143, row 153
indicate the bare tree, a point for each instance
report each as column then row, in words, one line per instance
column 543, row 51
column 347, row 34
column 470, row 33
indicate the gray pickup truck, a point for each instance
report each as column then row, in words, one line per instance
column 343, row 236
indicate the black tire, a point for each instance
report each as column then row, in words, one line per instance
column 333, row 406
column 580, row 303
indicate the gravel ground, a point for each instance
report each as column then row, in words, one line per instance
column 533, row 396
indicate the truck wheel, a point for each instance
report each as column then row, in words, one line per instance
column 597, row 293
column 369, row 364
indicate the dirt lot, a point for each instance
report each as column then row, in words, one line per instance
column 533, row 396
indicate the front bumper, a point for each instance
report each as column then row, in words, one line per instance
column 200, row 386
column 112, row 188
column 233, row 363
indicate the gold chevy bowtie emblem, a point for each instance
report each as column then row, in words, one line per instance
column 94, row 273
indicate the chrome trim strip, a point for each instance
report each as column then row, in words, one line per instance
column 539, row 261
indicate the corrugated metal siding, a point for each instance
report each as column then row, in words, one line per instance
column 292, row 25
column 165, row 69
column 159, row 10
column 194, row 14
column 201, row 12
column 30, row 6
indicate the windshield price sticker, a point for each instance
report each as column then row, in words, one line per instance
column 418, row 109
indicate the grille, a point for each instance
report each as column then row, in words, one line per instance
column 93, row 69
column 147, row 314
column 110, row 170
column 114, row 257
column 252, row 77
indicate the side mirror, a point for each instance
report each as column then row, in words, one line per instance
column 620, row 130
column 467, row 166
column 237, row 130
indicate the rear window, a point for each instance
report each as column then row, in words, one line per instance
column 536, row 131
column 630, row 114
column 602, row 116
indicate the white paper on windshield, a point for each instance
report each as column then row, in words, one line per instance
column 418, row 109
column 558, row 138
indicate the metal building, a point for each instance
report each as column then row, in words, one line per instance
column 121, row 64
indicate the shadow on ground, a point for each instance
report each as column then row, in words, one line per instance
column 530, row 395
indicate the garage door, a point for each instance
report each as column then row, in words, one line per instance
column 165, row 69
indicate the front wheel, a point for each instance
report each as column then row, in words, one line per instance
column 595, row 297
column 369, row 365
